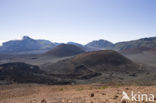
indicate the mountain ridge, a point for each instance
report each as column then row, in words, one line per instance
column 26, row 44
column 100, row 44
column 29, row 45
column 136, row 46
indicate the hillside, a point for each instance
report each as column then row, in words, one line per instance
column 24, row 73
column 136, row 46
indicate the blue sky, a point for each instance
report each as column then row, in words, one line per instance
column 77, row 20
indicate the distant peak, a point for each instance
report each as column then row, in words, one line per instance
column 101, row 39
column 26, row 37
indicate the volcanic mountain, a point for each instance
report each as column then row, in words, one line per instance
column 97, row 61
column 102, row 66
column 63, row 50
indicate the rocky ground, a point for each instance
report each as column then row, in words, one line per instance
column 71, row 94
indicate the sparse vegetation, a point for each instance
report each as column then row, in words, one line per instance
column 103, row 87
column 61, row 89
column 80, row 89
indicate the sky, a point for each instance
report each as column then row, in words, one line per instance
column 77, row 20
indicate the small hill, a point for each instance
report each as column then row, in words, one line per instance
column 107, row 57
column 65, row 50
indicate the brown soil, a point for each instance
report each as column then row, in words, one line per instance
column 69, row 94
